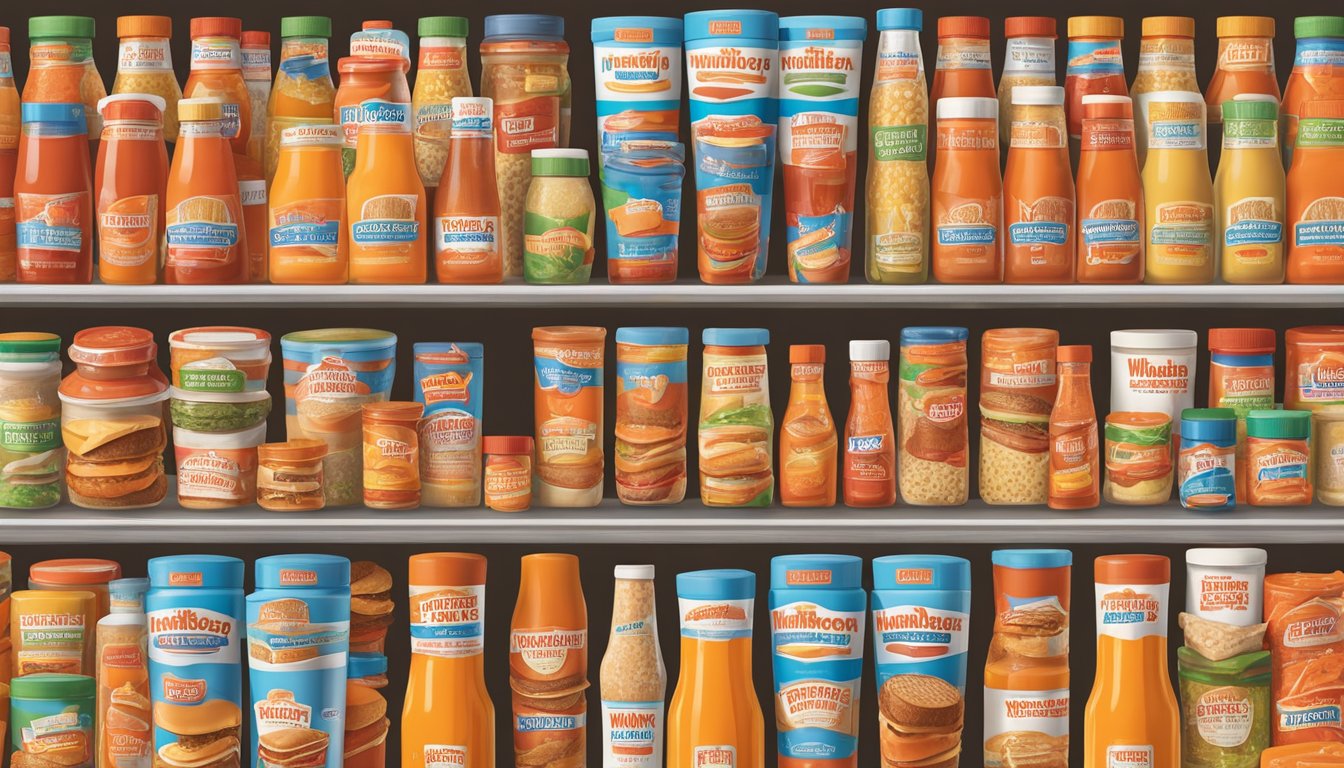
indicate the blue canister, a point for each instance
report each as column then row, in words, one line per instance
column 298, row 644
column 817, row 612
column 450, row 381
column 127, row 595
column 921, row 616
column 1206, row 464
column 637, row 65
column 194, row 609
column 641, row 194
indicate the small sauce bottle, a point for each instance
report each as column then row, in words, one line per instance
column 508, row 473
column 1110, row 194
column 870, row 436
column 967, row 193
column 1094, row 64
column 807, row 444
column 466, row 204
column 1075, row 466
column 1038, row 196
column 131, row 183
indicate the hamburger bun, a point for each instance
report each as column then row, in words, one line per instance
column 368, row 578
column 144, row 485
column 921, row 704
column 1026, row 749
column 572, row 476
column 147, row 441
column 293, row 748
column 364, row 706
column 651, row 475
column 549, row 695
column 379, row 604
column 737, row 450
column 734, row 491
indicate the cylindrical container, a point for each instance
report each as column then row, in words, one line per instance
column 53, row 193
column 1278, row 458
column 967, row 193
column 450, row 382
column 568, row 412
column 1138, row 458
column 1327, row 469
column 308, row 238
column 1206, row 464
column 32, row 456
column 51, row 719
column 869, row 459
column 127, row 595
column 808, row 443
column 125, row 735
column 1109, row 194
column 641, row 193
column 508, row 473
column 220, row 359
column 365, row 78
column 735, row 433
column 130, row 188
column 298, row 642
column 633, row 678
column 1314, row 373
column 217, row 470
column 1225, row 584
column 195, row 611
column 1094, row 64
column 392, row 455
column 933, row 441
column 1166, row 63
column 1241, row 377
column 1039, row 221
column 1017, row 391
column 1228, row 708
column 560, row 218
column 303, row 93
column 364, row 743
column 289, row 475
column 732, row 70
column 79, row 574
column 1153, row 371
column 963, row 62
column 651, row 415
column 52, row 632
column 1249, row 193
column 817, row 612
column 1245, row 62
column 441, row 76
column 637, row 66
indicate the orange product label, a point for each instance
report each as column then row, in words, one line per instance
column 508, row 483
column 51, row 229
column 568, row 413
column 466, row 240
column 552, row 653
column 128, row 231
column 1277, row 472
column 1315, row 375
column 203, row 230
column 220, row 474
column 391, row 458
column 1306, row 638
column 528, row 124
column 1246, row 53
column 1073, row 461
column 438, row 53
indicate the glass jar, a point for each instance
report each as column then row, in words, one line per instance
column 933, row 441
column 31, row 455
column 508, row 473
column 289, row 475
column 561, row 215
column 363, row 79
column 145, row 64
column 1226, row 709
column 441, row 75
column 1328, row 454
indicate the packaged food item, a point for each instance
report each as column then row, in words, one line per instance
column 32, row 456
column 220, row 359
column 1206, row 464
column 1312, row 753
column 52, row 720
column 206, row 234
column 1178, row 191
column 145, row 64
column 448, row 716
column 1027, row 668
column 651, row 415
column 371, row 607
column 303, row 94
column 808, row 448
column 298, row 640
column 933, row 447
column 921, row 632
column 441, row 76
column 466, row 207
column 820, row 60
column 637, row 67
column 329, row 375
column 1249, row 193
column 217, row 470
column 1153, row 370
column 1094, row 65
column 289, row 475
column 1245, row 62
column 10, row 119
column 52, row 631
column 967, row 193
column 1028, row 59
column 1305, row 636
column 1226, row 584
column 1241, row 377
column 1038, row 193
column 715, row 717
column 125, row 735
column 963, row 61
column 1131, row 716
column 377, row 39
column 217, row 72
column 548, row 663
column 817, row 612
column 1075, row 472
column 255, row 48
column 1278, row 458
column 1110, row 194
column 62, row 71
column 79, row 574
column 127, row 595
column 1320, row 44
column 308, row 239
column 569, row 363
column 525, row 71
column 392, row 455
column 365, row 78
column 1017, row 393
column 1138, row 458
column 53, row 194
column 196, row 615
column 1228, row 708
column 560, row 218
column 732, row 66
column 1327, row 468
column 1314, row 373
column 869, row 470
column 131, row 183
column 641, row 193
column 364, row 742
column 736, row 429
column 632, row 677
column 450, row 382
column 1316, row 250
column 386, row 206
column 508, row 473
column 897, row 189
column 1166, row 63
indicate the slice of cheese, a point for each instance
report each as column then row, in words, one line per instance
column 84, row 435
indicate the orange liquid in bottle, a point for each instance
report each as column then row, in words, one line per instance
column 1245, row 62
column 870, row 438
column 385, row 200
column 131, row 183
column 967, row 193
column 1315, row 247
column 308, row 237
column 1094, row 65
column 807, row 444
column 207, row 239
column 1075, row 471
column 466, row 205
column 53, row 192
column 963, row 63
column 1110, row 194
column 9, row 156
column 216, row 72
column 1038, row 190
column 1316, row 72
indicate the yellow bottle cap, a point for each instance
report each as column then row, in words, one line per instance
column 1168, row 26
column 1245, row 26
column 189, row 110
column 1096, row 26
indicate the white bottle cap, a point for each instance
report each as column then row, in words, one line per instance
column 968, row 108
column 1155, row 338
column 861, row 350
column 635, row 572
column 1038, row 95
column 1226, row 557
column 561, row 154
column 1104, row 98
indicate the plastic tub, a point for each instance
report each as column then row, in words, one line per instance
column 289, row 475
column 220, row 359
column 217, row 470
column 114, row 352
column 30, row 443
column 115, row 449
column 77, row 574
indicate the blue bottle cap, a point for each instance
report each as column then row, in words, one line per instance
column 653, row 336
column 365, row 665
column 196, row 572
column 538, row 26
column 933, row 334
column 924, row 572
column 816, row 572
column 70, row 115
column 1032, row 558
column 735, row 337
column 721, row 584
column 900, row 18
column 1213, row 425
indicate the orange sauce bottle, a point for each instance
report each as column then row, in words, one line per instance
column 1075, row 471
column 308, row 236
column 1315, row 74
column 963, row 63
column 1245, row 62
column 1094, row 64
column 252, row 194
column 204, row 212
column 1315, row 212
column 807, row 443
column 466, row 204
column 131, row 184
column 448, row 718
column 9, row 156
column 967, row 192
column 217, row 72
column 1110, row 194
column 53, row 192
column 548, row 661
column 870, row 437
column 1038, row 190
column 385, row 200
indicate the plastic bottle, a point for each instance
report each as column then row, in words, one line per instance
column 1241, row 377
column 53, row 192
column 548, row 659
column 1248, row 193
column 967, row 193
column 1166, row 63
column 385, row 201
column 145, row 64
column 1075, row 452
column 206, row 238
column 735, row 431
column 1315, row 213
column 1178, row 192
column 62, row 67
column 1029, row 59
column 1038, row 195
column 963, row 65
column 255, row 47
column 441, row 76
column 217, row 72
column 308, row 234
column 131, row 183
column 870, row 436
column 303, row 93
column 807, row 443
column 1094, row 65
column 378, row 39
column 633, row 677
column 448, row 718
column 467, row 245
column 9, row 157
column 1245, row 62
column 1320, row 52
column 1110, row 194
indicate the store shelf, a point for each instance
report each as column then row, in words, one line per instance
column 773, row 292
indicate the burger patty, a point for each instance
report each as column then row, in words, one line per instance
column 571, row 475
column 205, row 739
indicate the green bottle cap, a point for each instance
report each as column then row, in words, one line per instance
column 1251, row 109
column 23, row 345
column 560, row 162
column 1279, row 425
column 305, row 26
column 1318, row 26
column 442, row 26
column 61, row 26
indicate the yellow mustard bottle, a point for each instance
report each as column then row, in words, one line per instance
column 1248, row 192
column 1178, row 191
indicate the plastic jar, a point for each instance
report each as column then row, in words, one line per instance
column 78, row 574
column 1228, row 708
column 366, row 727
column 289, row 475
column 217, row 470
column 127, row 595
column 641, row 193
column 145, row 64
column 1314, row 373
column 31, row 459
column 1225, row 584
column 508, row 473
column 1017, row 391
column 735, row 430
column 441, row 75
column 220, row 359
column 1207, row 460
column 363, row 79
column 1278, row 458
column 1153, row 370
column 933, row 441
column 1327, row 451
column 1137, row 457
column 392, row 455
column 59, row 707
column 115, row 352
column 561, row 218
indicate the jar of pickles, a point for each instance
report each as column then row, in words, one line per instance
column 364, row 78
column 31, row 455
column 440, row 76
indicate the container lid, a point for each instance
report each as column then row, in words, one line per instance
column 1096, row 26
column 735, row 337
column 1132, row 569
column 1155, row 338
column 112, row 345
column 807, row 353
column 1209, row 424
column 224, row 441
column 376, row 24
column 1245, row 26
column 968, row 108
column 192, row 396
column 222, row 338
column 345, row 338
column 75, row 571
column 441, row 26
column 128, row 595
column 1266, row 108
column 200, row 109
column 394, row 410
column 653, row 336
column 1319, row 334
column 298, row 449
column 529, row 25
column 1038, row 95
column 144, row 26
column 612, row 28
column 570, row 334
column 255, row 38
column 69, row 116
column 365, row 665
column 822, row 28
column 1226, row 557
column 1246, row 341
column 48, row 685
column 816, row 572
column 634, row 572
column 448, row 351
column 196, row 572
column 216, row 26
column 1282, row 425
column 732, row 24
column 1030, row 26
column 1168, row 26
column 920, row 572
column 61, row 26
column 1032, row 558
column 934, row 334
column 305, row 26
column 78, row 389
column 447, row 569
column 869, row 350
column 1074, row 353
column 963, row 26
column 145, row 107
column 29, row 347
column 560, row 162
column 900, row 18
column 507, row 445
column 1318, row 26
column 719, row 584
column 302, row 572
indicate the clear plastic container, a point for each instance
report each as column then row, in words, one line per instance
column 220, row 359
column 289, row 475
column 31, row 456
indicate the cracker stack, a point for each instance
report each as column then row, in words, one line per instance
column 370, row 607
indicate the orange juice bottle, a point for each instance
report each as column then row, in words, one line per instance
column 1110, row 194
column 1248, row 193
column 715, row 719
column 206, row 239
column 1315, row 209
column 303, row 92
column 1131, row 717
column 870, row 438
column 466, row 204
column 1094, row 65
column 807, row 443
column 1318, row 71
column 385, row 201
column 217, row 72
column 130, row 187
column 1038, row 190
column 967, row 192
column 1245, row 62
column 963, row 64
column 1178, row 191
column 448, row 718
column 548, row 661
column 1075, row 470
column 309, row 242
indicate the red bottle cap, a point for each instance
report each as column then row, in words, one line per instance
column 377, row 24
column 963, row 26
column 1247, row 341
column 216, row 26
column 807, row 353
column 1133, row 569
column 255, row 38
column 1030, row 26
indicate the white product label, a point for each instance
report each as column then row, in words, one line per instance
column 445, row 756
column 1129, row 756
column 448, row 621
column 545, row 652
column 913, row 634
column 718, row 756
column 807, row 632
column 1043, row 714
column 817, row 703
column 1232, row 598
column 1132, row 612
column 716, row 619
column 627, row 74
column 1224, row 716
column 1157, row 383
column 753, row 73
column 144, row 56
column 1030, row 54
column 252, row 192
column 632, row 734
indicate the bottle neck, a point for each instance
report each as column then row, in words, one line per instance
column 1075, row 378
column 807, row 382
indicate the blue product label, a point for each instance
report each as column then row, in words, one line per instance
column 1253, row 232
column 970, row 234
column 305, row 67
column 326, row 233
column 1181, row 132
column 384, row 231
column 233, row 121
column 641, row 194
column 1328, row 232
column 40, row 234
column 532, row 723
column 202, row 234
column 567, row 379
column 1095, row 58
column 648, row 375
column 1180, row 234
column 638, row 89
column 716, row 620
column 1206, row 476
column 1097, row 231
column 1033, row 232
column 1297, row 718
column 1319, row 51
column 865, row 443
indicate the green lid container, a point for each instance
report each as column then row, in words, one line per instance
column 61, row 26
column 52, row 686
column 1280, row 425
column 1251, row 109
column 560, row 162
column 29, row 347
column 1318, row 26
column 305, row 26
column 442, row 26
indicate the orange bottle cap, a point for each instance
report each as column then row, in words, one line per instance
column 807, row 353
column 1133, row 569
column 255, row 38
column 1245, row 26
column 377, row 24
column 1325, row 109
column 296, row 450
column 1096, row 26
column 75, row 571
column 1030, row 26
column 216, row 26
column 963, row 26
column 144, row 26
column 447, row 569
column 507, row 445
column 189, row 110
column 1247, row 341
column 4, row 35
column 1074, row 353
column 1168, row 26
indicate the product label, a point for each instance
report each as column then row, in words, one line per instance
column 203, row 230
column 1218, row 592
column 632, row 734
column 302, row 58
column 30, row 436
column 898, row 142
column 256, row 64
column 628, row 73
column 71, row 50
column 1250, row 134
column 442, row 53
column 1223, row 716
column 1246, row 54
column 466, row 240
column 1129, row 756
column 1320, row 379
column 1252, row 221
column 380, row 112
column 136, row 56
column 722, row 756
column 716, row 620
column 963, row 53
column 49, row 640
column 1176, row 125
column 807, row 633
column 1037, row 134
column 1021, row 726
column 216, row 53
column 528, row 124
column 912, row 634
column 387, row 220
column 252, row 192
column 545, row 651
column 1044, row 221
column 1156, row 380
column 1185, row 228
column 1205, row 472
column 445, row 756
column 128, row 231
column 448, row 622
column 311, row 228
column 1104, row 135
column 1108, row 240
column 1287, row 461
column 53, row 224
column 732, row 73
column 1132, row 612
column 1095, row 58
column 214, row 474
column 1167, row 57
column 1030, row 55
column 1242, row 388
column 1319, row 52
